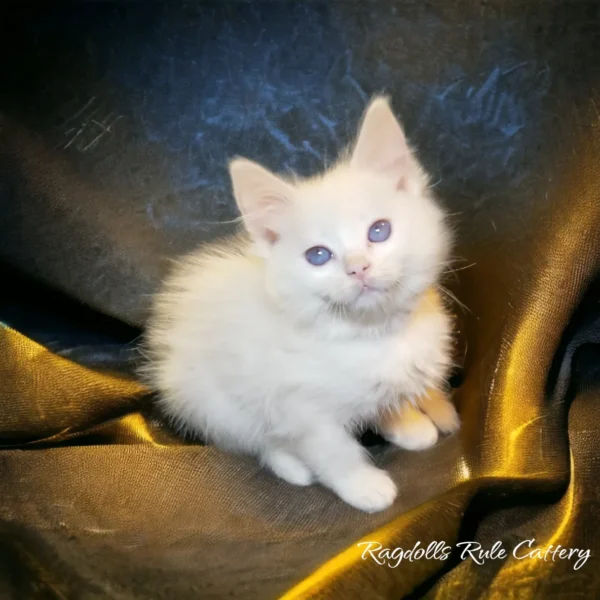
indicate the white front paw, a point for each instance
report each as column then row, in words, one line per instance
column 367, row 488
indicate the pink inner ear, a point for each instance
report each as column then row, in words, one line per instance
column 397, row 169
column 271, row 236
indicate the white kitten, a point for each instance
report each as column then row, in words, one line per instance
column 324, row 320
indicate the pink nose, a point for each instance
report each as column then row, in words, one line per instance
column 357, row 269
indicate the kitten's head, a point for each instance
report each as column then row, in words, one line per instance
column 364, row 237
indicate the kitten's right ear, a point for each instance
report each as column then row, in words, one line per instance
column 261, row 198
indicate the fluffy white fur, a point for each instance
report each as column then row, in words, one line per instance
column 256, row 350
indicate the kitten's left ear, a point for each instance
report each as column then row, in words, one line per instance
column 261, row 197
column 381, row 145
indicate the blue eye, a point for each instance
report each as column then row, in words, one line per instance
column 380, row 231
column 318, row 255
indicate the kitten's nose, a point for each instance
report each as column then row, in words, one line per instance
column 357, row 266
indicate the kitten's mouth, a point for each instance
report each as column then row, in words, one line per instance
column 367, row 296
column 368, row 293
column 369, row 289
column 365, row 291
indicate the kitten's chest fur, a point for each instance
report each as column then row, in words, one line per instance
column 365, row 374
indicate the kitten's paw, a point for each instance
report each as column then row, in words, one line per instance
column 288, row 467
column 413, row 434
column 408, row 428
column 447, row 419
column 369, row 489
column 440, row 409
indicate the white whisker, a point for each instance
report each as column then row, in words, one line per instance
column 452, row 297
